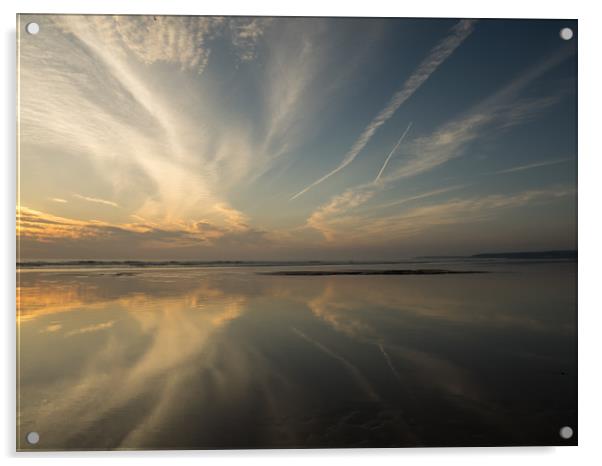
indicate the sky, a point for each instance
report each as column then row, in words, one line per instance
column 210, row 138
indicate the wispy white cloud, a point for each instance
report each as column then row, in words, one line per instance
column 351, row 198
column 458, row 211
column 496, row 113
column 52, row 328
column 417, row 197
column 185, row 41
column 89, row 97
column 330, row 215
column 501, row 110
column 104, row 240
column 427, row 67
column 91, row 328
column 246, row 33
column 424, row 154
column 96, row 200
column 334, row 217
column 297, row 62
column 154, row 124
column 172, row 39
column 452, row 139
column 529, row 166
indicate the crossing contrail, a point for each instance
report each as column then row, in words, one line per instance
column 392, row 152
column 461, row 30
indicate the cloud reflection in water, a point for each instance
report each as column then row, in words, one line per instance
column 228, row 358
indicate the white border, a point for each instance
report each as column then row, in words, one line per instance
column 590, row 257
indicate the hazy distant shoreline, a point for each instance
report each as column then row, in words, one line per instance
column 136, row 264
column 309, row 273
column 569, row 255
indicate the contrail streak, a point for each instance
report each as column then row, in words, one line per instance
column 436, row 57
column 97, row 200
column 392, row 152
column 531, row 165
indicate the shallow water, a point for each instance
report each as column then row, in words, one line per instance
column 228, row 358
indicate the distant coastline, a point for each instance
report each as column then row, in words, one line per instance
column 560, row 255
column 136, row 264
column 319, row 273
column 565, row 254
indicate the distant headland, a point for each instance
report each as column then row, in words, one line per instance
column 564, row 254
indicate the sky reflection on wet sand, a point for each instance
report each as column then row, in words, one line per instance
column 227, row 358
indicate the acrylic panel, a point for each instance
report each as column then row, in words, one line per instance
column 254, row 232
